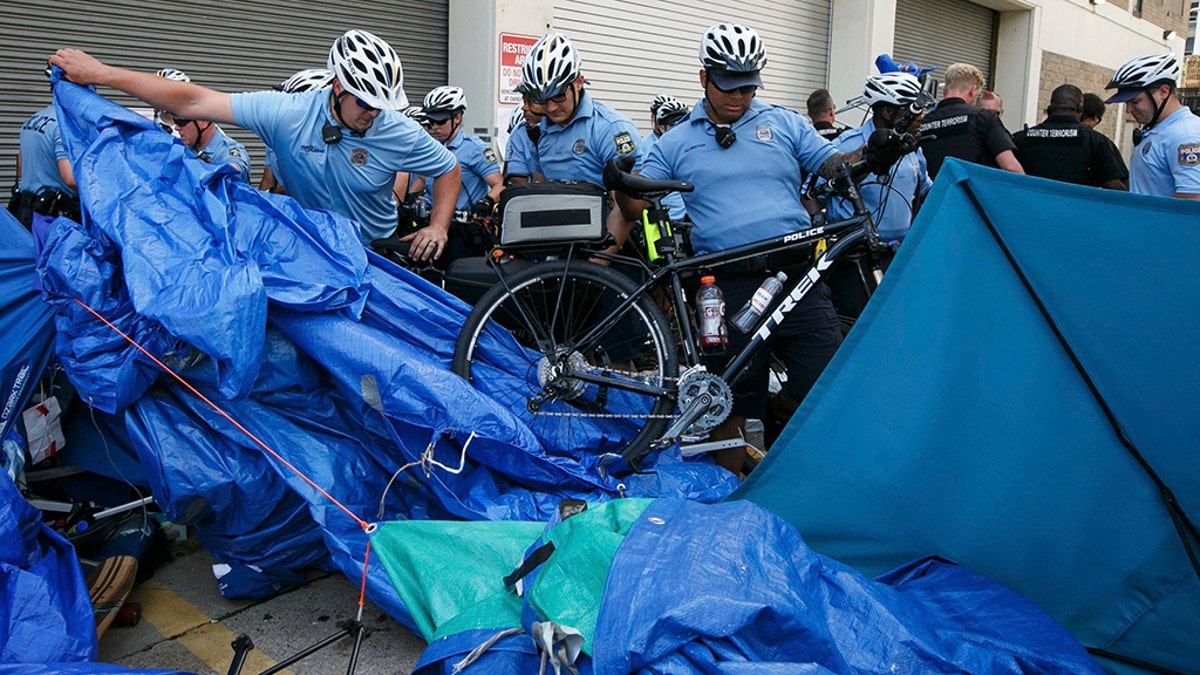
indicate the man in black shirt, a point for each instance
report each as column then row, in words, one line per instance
column 820, row 111
column 1063, row 148
column 958, row 128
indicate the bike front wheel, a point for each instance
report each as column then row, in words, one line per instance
column 560, row 345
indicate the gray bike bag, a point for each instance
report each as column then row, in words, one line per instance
column 554, row 211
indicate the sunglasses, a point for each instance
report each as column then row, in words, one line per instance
column 557, row 98
column 438, row 123
column 747, row 89
column 358, row 101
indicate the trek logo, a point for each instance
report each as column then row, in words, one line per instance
column 803, row 235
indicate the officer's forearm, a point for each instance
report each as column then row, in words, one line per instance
column 445, row 197
column 829, row 168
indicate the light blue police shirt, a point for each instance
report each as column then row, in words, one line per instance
column 750, row 190
column 221, row 149
column 353, row 177
column 478, row 161
column 1167, row 161
column 674, row 200
column 890, row 202
column 520, row 157
column 41, row 148
column 579, row 150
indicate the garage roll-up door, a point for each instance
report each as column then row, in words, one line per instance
column 229, row 46
column 942, row 32
column 636, row 49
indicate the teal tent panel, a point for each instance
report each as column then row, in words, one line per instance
column 1124, row 292
column 954, row 422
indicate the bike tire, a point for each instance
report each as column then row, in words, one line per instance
column 546, row 309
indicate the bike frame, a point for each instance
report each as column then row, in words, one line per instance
column 849, row 232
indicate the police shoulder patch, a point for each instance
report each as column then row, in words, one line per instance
column 234, row 152
column 1189, row 154
column 624, row 143
column 489, row 155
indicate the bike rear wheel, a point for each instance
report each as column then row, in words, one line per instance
column 576, row 372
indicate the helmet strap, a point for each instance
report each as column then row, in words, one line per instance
column 199, row 134
column 1157, row 108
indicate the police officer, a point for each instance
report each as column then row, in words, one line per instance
column 46, row 183
column 1063, row 148
column 1166, row 158
column 481, row 179
column 892, row 198
column 579, row 135
column 745, row 159
column 444, row 108
column 821, row 112
column 520, row 155
column 961, row 129
column 337, row 149
column 669, row 112
column 205, row 139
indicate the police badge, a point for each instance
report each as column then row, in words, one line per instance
column 358, row 157
column 580, row 147
column 1189, row 154
column 623, row 142
column 763, row 133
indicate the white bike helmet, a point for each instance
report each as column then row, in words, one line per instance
column 670, row 111
column 415, row 113
column 307, row 80
column 516, row 119
column 732, row 47
column 444, row 101
column 892, row 88
column 657, row 103
column 174, row 74
column 550, row 66
column 369, row 69
column 1141, row 73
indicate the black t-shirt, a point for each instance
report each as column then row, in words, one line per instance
column 1063, row 148
column 963, row 131
column 829, row 130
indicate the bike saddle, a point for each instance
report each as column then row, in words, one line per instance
column 617, row 177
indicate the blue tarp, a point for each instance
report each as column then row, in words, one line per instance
column 1024, row 373
column 45, row 611
column 732, row 588
column 25, row 322
column 336, row 359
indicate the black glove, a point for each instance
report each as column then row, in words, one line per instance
column 483, row 207
column 883, row 150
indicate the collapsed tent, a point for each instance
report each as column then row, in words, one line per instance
column 1020, row 397
column 669, row 586
column 336, row 360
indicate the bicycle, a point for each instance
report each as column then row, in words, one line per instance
column 587, row 343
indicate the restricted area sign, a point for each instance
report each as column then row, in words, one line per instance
column 513, row 49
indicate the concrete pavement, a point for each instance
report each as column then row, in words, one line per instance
column 187, row 625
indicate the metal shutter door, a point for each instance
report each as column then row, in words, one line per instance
column 942, row 32
column 636, row 49
column 229, row 46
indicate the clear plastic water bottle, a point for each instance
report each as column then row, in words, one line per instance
column 710, row 313
column 747, row 316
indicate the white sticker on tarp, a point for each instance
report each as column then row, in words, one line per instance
column 43, row 430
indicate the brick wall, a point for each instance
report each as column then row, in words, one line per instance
column 1058, row 69
column 1168, row 14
